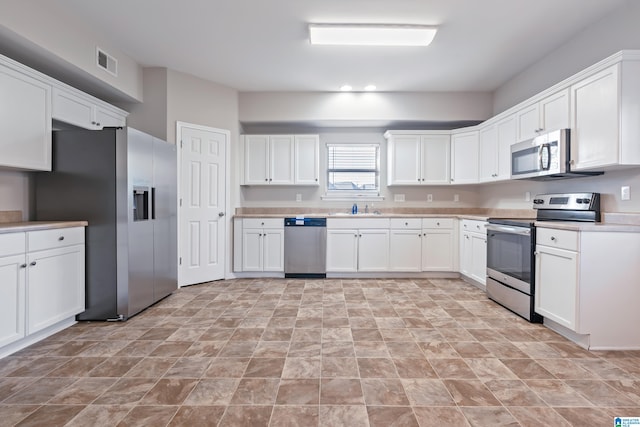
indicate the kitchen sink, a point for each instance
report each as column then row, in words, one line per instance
column 376, row 213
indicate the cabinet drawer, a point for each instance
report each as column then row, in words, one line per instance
column 358, row 223
column 561, row 239
column 56, row 238
column 263, row 222
column 12, row 244
column 437, row 223
column 474, row 226
column 406, row 223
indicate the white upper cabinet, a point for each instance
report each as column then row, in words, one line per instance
column 79, row 109
column 547, row 114
column 281, row 159
column 604, row 118
column 25, row 119
column 464, row 157
column 307, row 159
column 495, row 149
column 488, row 153
column 418, row 159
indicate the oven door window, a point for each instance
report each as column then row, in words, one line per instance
column 510, row 254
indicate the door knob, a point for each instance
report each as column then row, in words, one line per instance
column 220, row 214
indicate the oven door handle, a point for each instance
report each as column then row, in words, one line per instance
column 510, row 230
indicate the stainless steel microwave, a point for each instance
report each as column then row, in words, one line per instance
column 543, row 155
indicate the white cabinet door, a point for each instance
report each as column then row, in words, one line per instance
column 273, row 252
column 595, row 120
column 55, row 286
column 528, row 120
column 466, row 253
column 478, row 270
column 554, row 111
column 464, row 158
column 405, row 250
column 25, row 121
column 507, row 135
column 437, row 250
column 436, row 161
column 256, row 159
column 373, row 250
column 307, row 155
column 252, row 249
column 12, row 303
column 557, row 285
column 281, row 159
column 488, row 154
column 342, row 250
column 107, row 118
column 405, row 160
column 73, row 109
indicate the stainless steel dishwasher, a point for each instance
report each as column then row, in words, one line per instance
column 305, row 247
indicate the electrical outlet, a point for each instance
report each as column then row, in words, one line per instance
column 429, row 197
column 456, row 197
column 298, row 197
column 398, row 197
column 527, row 196
column 625, row 192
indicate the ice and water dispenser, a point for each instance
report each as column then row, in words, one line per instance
column 140, row 203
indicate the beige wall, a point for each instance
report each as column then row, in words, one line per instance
column 377, row 108
column 151, row 115
column 14, row 192
column 617, row 31
column 36, row 28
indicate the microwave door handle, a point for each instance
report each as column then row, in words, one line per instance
column 541, row 157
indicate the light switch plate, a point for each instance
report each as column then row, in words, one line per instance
column 456, row 197
column 398, row 197
column 298, row 197
column 429, row 197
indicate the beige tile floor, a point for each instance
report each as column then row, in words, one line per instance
column 318, row 353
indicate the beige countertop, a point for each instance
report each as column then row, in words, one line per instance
column 589, row 226
column 16, row 227
column 364, row 215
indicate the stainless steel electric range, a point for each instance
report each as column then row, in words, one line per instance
column 511, row 247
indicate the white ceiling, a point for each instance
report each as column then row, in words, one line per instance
column 262, row 45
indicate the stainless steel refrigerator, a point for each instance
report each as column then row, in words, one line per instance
column 123, row 182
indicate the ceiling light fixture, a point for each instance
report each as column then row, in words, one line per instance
column 370, row 88
column 371, row 34
column 346, row 88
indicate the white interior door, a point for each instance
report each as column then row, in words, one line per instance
column 203, row 203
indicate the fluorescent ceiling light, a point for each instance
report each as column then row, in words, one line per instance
column 370, row 88
column 371, row 35
column 346, row 88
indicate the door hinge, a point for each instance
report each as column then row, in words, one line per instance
column 180, row 261
column 181, row 143
column 181, row 202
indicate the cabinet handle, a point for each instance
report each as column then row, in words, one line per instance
column 437, row 223
column 98, row 124
column 406, row 223
column 423, row 179
column 61, row 238
column 93, row 123
column 316, row 179
column 23, row 265
column 266, row 179
column 270, row 179
column 360, row 235
column 553, row 239
column 33, row 263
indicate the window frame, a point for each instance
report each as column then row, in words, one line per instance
column 350, row 194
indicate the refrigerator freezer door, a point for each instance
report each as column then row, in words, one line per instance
column 164, row 212
column 140, row 239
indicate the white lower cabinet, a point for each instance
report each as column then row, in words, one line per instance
column 587, row 288
column 55, row 288
column 439, row 249
column 557, row 274
column 263, row 244
column 357, row 245
column 473, row 250
column 42, row 282
column 12, row 306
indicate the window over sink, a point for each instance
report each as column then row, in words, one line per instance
column 353, row 170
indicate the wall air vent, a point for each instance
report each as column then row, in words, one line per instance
column 106, row 62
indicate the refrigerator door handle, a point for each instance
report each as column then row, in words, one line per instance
column 153, row 202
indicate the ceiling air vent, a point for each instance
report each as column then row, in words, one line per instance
column 107, row 62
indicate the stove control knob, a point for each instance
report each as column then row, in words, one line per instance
column 538, row 201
